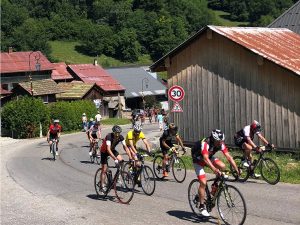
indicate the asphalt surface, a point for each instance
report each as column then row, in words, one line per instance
column 36, row 190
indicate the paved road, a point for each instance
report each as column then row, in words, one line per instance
column 35, row 190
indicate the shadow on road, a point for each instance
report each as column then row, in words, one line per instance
column 47, row 158
column 88, row 162
column 191, row 217
column 85, row 146
column 96, row 197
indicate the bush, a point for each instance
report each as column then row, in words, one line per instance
column 70, row 113
column 23, row 117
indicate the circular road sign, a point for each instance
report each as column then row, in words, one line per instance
column 176, row 93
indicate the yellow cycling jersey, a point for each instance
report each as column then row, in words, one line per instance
column 134, row 138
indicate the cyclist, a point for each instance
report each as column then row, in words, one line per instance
column 133, row 137
column 166, row 141
column 90, row 123
column 94, row 133
column 108, row 149
column 203, row 155
column 54, row 134
column 244, row 139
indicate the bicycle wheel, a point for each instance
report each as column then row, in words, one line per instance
column 127, row 167
column 97, row 184
column 157, row 166
column 178, row 169
column 124, row 185
column 193, row 196
column 147, row 180
column 244, row 170
column 231, row 205
column 53, row 147
column 269, row 171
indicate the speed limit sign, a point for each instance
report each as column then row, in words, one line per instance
column 176, row 93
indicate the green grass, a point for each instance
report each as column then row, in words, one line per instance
column 63, row 51
column 224, row 22
column 115, row 121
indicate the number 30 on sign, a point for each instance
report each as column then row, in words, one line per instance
column 176, row 93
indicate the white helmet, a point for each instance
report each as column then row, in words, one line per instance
column 55, row 121
column 218, row 135
column 137, row 127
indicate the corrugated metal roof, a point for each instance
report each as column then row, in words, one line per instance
column 279, row 45
column 132, row 79
column 19, row 62
column 289, row 19
column 74, row 90
column 41, row 87
column 90, row 73
column 60, row 72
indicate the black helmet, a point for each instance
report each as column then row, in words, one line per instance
column 117, row 129
column 217, row 135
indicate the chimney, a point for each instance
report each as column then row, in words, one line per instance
column 95, row 62
column 10, row 49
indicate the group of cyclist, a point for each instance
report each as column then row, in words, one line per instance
column 203, row 152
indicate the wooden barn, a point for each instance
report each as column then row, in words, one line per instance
column 232, row 75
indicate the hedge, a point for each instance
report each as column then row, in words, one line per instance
column 22, row 117
column 70, row 113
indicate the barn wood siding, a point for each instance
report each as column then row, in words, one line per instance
column 226, row 88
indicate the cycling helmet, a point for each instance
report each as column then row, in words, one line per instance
column 97, row 123
column 91, row 119
column 255, row 126
column 217, row 135
column 55, row 121
column 137, row 127
column 83, row 114
column 117, row 129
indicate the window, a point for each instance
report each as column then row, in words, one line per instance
column 45, row 98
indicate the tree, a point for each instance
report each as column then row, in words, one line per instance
column 128, row 48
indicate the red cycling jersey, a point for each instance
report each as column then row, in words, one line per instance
column 54, row 129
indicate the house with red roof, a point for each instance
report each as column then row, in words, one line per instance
column 113, row 91
column 60, row 73
column 233, row 75
column 16, row 67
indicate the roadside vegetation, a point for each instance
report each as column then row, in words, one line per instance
column 115, row 121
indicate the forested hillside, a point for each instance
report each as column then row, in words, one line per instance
column 122, row 29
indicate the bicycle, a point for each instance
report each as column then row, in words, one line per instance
column 94, row 157
column 142, row 175
column 176, row 163
column 53, row 148
column 122, row 183
column 230, row 202
column 267, row 166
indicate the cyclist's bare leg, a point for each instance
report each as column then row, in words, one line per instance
column 201, row 190
column 164, row 162
column 102, row 175
column 247, row 151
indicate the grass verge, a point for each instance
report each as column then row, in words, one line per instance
column 115, row 121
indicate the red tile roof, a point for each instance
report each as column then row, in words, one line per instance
column 279, row 45
column 60, row 72
column 19, row 62
column 90, row 73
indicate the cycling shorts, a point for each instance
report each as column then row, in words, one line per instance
column 53, row 136
column 105, row 155
column 94, row 136
column 199, row 167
